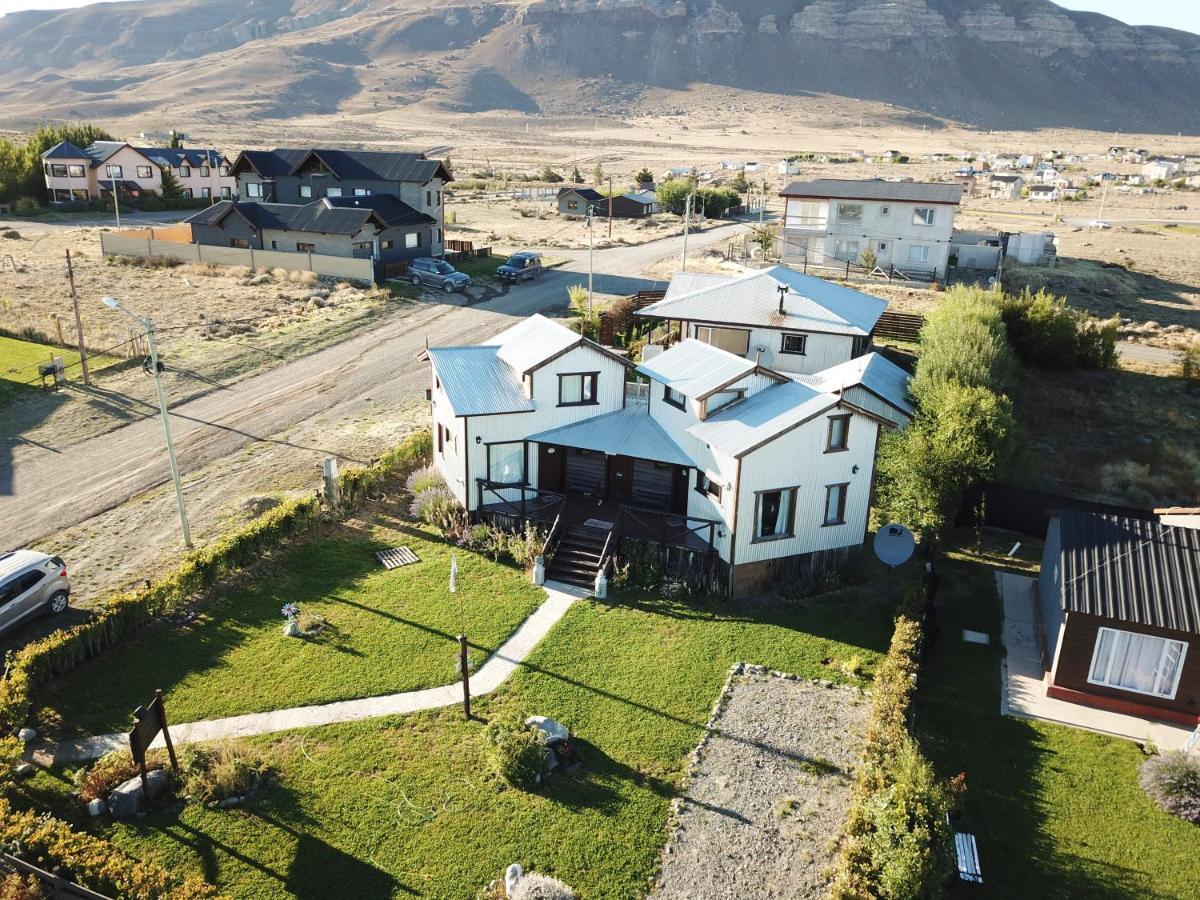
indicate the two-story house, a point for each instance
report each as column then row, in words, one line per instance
column 730, row 468
column 302, row 175
column 908, row 226
column 78, row 175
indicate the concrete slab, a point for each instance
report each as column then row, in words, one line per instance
column 1023, row 688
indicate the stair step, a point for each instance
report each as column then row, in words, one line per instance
column 578, row 553
column 569, row 566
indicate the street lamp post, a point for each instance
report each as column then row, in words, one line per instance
column 148, row 324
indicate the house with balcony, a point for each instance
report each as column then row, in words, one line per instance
column 908, row 226
column 303, row 175
column 736, row 473
column 80, row 175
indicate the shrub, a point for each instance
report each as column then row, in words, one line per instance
column 1047, row 333
column 964, row 340
column 424, row 478
column 110, row 771
column 535, row 886
column 438, row 507
column 26, row 206
column 515, row 750
column 22, row 887
column 1189, row 361
column 638, row 567
column 1172, row 780
column 215, row 773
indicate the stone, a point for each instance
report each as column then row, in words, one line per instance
column 23, row 770
column 97, row 807
column 126, row 799
column 512, row 876
column 229, row 802
column 259, row 279
column 27, row 734
column 554, row 731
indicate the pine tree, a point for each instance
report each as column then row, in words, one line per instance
column 171, row 188
column 176, row 142
column 598, row 174
column 576, row 176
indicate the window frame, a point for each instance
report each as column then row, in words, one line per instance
column 145, row 171
column 305, row 247
column 849, row 220
column 362, row 192
column 758, row 537
column 239, row 243
column 206, row 193
column 584, row 378
column 841, row 509
column 1166, row 642
column 830, row 447
column 254, row 189
column 696, row 329
column 59, row 170
column 226, row 194
column 706, row 487
column 187, row 194
column 333, row 192
column 114, row 171
column 925, row 255
column 524, row 462
column 412, row 240
column 928, row 219
column 185, row 171
column 205, row 172
column 305, row 192
column 75, row 170
column 680, row 404
column 739, row 394
column 783, row 343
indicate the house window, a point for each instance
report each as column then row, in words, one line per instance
column 735, row 340
column 274, row 245
column 187, row 193
column 705, row 485
column 114, row 172
column 850, row 213
column 577, row 389
column 572, row 204
column 386, row 245
column 185, row 171
column 204, row 171
column 794, row 343
column 240, row 243
column 721, row 400
column 302, row 247
column 1140, row 663
column 306, row 191
column 362, row 192
column 923, row 216
column 224, row 170
column 441, row 441
column 333, row 192
column 918, row 253
column 206, row 193
column 885, row 210
column 145, row 172
column 253, row 189
column 75, row 171
column 839, row 434
column 62, row 195
column 506, row 462
column 429, row 198
column 412, row 240
column 672, row 396
column 774, row 514
column 846, row 251
column 360, row 247
column 437, row 198
column 58, row 171
column 883, row 247
column 835, row 504
column 225, row 194
column 78, row 194
column 804, row 214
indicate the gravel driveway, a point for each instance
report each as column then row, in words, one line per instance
column 764, row 807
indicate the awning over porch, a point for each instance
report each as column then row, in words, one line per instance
column 626, row 432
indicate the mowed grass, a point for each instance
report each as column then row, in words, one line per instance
column 19, row 361
column 1057, row 812
column 408, row 807
column 387, row 631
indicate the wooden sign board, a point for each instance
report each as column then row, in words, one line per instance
column 148, row 721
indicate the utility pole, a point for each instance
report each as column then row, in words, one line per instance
column 116, row 204
column 1103, row 197
column 687, row 215
column 87, row 378
column 610, row 207
column 591, row 218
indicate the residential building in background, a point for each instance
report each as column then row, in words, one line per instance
column 80, row 175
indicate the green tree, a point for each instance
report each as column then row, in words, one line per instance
column 549, row 175
column 21, row 164
column 171, row 188
column 965, row 341
column 645, row 176
column 717, row 201
column 739, row 183
column 576, row 176
column 176, row 142
column 673, row 193
column 598, row 174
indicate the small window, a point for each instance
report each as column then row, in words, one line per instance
column 705, row 485
column 572, row 204
column 187, row 193
column 885, row 210
column 918, row 253
column 225, row 194
column 1141, row 663
column 412, row 240
column 722, row 399
column 883, row 246
column 774, row 514
column 506, row 462
column 362, row 192
column 437, row 198
column 835, row 504
column 386, row 245
column 577, row 389
column 204, row 171
column 75, row 171
column 333, row 192
column 441, row 441
column 303, row 247
column 734, row 340
column 185, row 171
column 673, row 397
column 78, row 194
column 206, row 193
column 145, row 172
column 240, row 243
column 923, row 216
column 850, row 213
column 254, row 189
column 58, row 171
column 224, row 170
column 429, row 198
column 114, row 171
column 839, row 434
column 794, row 343
column 306, row 191
column 274, row 245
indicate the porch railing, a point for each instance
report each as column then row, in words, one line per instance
column 668, row 528
column 529, row 501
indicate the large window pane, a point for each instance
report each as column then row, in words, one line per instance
column 506, row 463
column 775, row 513
column 734, row 340
column 1137, row 662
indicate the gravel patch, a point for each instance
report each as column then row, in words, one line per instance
column 769, row 791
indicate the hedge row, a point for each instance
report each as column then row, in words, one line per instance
column 896, row 840
column 51, row 844
column 125, row 613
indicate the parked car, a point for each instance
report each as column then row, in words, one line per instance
column 31, row 583
column 1099, row 223
column 521, row 267
column 437, row 273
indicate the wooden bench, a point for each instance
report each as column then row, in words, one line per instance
column 967, row 854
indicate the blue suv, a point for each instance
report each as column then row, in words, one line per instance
column 521, row 267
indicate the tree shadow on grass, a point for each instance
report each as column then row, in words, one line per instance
column 592, row 784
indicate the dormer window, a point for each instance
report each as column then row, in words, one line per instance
column 722, row 399
column 578, row 389
column 796, row 344
column 674, row 398
column 839, row 434
column 733, row 340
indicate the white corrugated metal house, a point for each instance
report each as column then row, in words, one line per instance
column 778, row 317
column 732, row 468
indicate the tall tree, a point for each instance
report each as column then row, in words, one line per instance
column 171, row 188
column 598, row 174
column 176, row 141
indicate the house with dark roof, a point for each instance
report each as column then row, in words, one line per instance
column 79, row 175
column 908, row 226
column 379, row 227
column 304, row 175
column 1117, row 605
column 575, row 200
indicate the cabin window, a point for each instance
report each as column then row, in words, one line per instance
column 721, row 400
column 253, row 189
column 412, row 240
column 386, row 245
column 114, row 171
column 58, row 171
column 923, row 216
column 305, row 191
column 577, row 389
column 304, row 247
column 705, row 485
column 774, row 514
column 1140, row 663
column 75, row 171
column 839, row 434
column 835, row 504
column 145, row 172
column 673, row 397
column 506, row 462
column 734, row 340
column 333, row 192
column 794, row 343
column 185, row 171
column 572, row 204
column 850, row 213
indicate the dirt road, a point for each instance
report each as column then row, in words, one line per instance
column 58, row 487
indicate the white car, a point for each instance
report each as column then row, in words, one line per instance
column 1099, row 223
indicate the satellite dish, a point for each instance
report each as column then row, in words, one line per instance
column 894, row 545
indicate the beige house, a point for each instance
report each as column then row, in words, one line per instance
column 75, row 175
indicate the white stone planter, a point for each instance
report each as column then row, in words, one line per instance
column 292, row 628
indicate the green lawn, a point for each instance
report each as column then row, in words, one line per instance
column 1057, row 812
column 389, row 631
column 19, row 361
column 407, row 807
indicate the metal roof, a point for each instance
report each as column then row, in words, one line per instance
column 331, row 215
column 589, row 194
column 875, row 189
column 743, row 426
column 172, row 156
column 696, row 369
column 876, row 373
column 65, row 150
column 629, row 432
column 531, row 342
column 1132, row 570
column 811, row 303
column 477, row 381
column 371, row 165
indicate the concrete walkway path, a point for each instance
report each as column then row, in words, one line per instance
column 493, row 673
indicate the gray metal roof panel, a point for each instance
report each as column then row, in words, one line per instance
column 874, row 372
column 695, row 368
column 875, row 189
column 629, row 432
column 1132, row 570
column 477, row 382
column 65, row 150
column 382, row 165
column 764, row 415
column 532, row 341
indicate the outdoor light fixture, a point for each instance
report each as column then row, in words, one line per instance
column 479, row 438
column 854, row 471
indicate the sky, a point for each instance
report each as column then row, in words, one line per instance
column 1183, row 14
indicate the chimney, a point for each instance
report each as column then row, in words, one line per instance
column 782, row 288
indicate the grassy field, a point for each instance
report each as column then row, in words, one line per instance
column 1057, row 812
column 387, row 631
column 19, row 361
column 408, row 807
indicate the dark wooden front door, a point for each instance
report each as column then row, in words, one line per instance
column 551, row 463
column 620, row 479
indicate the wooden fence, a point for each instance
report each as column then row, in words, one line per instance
column 57, row 887
column 899, row 326
column 620, row 316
